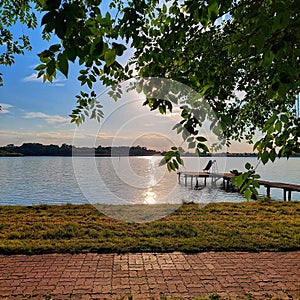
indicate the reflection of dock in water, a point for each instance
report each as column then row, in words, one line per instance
column 226, row 177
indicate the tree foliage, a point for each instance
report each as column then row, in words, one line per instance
column 220, row 49
column 11, row 13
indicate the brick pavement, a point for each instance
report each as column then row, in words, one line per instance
column 111, row 276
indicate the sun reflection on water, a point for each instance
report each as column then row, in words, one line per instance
column 150, row 197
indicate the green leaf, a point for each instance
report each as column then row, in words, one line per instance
column 185, row 114
column 105, row 22
column 63, row 64
column 201, row 139
column 255, row 184
column 248, row 194
column 278, row 126
column 257, row 144
column 179, row 160
column 162, row 162
column 162, row 109
column 213, row 11
column 272, row 155
column 40, row 67
column 169, row 167
column 119, row 48
column 169, row 155
column 48, row 17
column 51, row 4
column 192, row 145
column 248, row 166
column 110, row 56
column 97, row 47
column 89, row 83
column 284, row 118
column 51, row 68
column 264, row 157
column 176, row 165
column 268, row 58
column 54, row 48
column 185, row 134
column 176, row 126
column 164, row 9
column 207, row 87
column 198, row 152
column 203, row 147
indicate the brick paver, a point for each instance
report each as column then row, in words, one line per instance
column 145, row 275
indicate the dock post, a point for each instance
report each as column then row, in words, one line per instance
column 185, row 179
column 179, row 177
column 284, row 194
column 290, row 195
column 268, row 191
column 204, row 181
column 192, row 181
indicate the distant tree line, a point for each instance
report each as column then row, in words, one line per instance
column 222, row 154
column 37, row 149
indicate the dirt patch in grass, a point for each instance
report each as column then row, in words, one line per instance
column 253, row 226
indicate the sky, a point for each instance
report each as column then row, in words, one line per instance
column 33, row 111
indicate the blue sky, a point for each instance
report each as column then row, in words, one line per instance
column 33, row 111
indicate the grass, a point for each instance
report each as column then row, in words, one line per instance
column 252, row 226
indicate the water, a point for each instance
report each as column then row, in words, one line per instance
column 124, row 180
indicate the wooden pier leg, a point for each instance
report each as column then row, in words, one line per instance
column 192, row 177
column 178, row 177
column 185, row 179
column 234, row 188
column 213, row 181
column 290, row 195
column 284, row 194
column 204, row 181
column 224, row 183
column 268, row 191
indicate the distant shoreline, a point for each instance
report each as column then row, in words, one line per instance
column 67, row 155
column 37, row 149
column 123, row 155
column 133, row 155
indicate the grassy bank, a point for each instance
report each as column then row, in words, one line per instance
column 255, row 226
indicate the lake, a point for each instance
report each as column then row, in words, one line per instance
column 123, row 180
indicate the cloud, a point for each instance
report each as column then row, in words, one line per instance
column 51, row 119
column 5, row 108
column 33, row 78
column 34, row 134
column 46, row 137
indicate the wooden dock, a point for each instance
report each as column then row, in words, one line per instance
column 226, row 177
column 286, row 187
column 196, row 175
